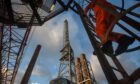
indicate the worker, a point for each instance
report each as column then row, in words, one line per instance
column 104, row 20
column 53, row 5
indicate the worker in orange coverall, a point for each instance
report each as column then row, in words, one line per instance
column 104, row 20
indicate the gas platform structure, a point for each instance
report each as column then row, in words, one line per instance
column 16, row 26
column 67, row 69
column 73, row 71
column 66, row 72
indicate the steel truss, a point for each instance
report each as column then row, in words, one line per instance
column 14, row 37
column 90, row 29
column 12, row 12
column 13, row 43
column 67, row 62
column 14, row 32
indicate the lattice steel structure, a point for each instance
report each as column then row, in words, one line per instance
column 16, row 26
column 67, row 64
column 84, row 71
column 90, row 29
column 13, row 43
column 19, row 12
column 16, row 20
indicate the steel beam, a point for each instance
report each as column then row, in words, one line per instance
column 130, row 12
column 9, row 10
column 62, row 4
column 135, row 75
column 133, row 49
column 21, row 49
column 129, row 32
column 28, row 72
column 69, row 3
column 110, row 75
column 131, row 22
column 120, row 67
column 19, row 24
column 55, row 13
column 34, row 8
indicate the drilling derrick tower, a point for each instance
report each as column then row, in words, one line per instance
column 66, row 69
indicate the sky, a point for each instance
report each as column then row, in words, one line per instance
column 50, row 37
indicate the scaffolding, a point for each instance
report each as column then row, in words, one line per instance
column 16, row 26
column 89, row 27
column 84, row 71
column 67, row 64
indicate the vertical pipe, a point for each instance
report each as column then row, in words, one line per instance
column 78, row 71
column 66, row 33
column 85, row 69
column 28, row 72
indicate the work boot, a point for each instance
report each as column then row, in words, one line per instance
column 107, row 48
column 124, row 42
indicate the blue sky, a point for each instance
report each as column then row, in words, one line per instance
column 50, row 36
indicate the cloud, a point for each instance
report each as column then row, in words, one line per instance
column 19, row 77
column 39, row 71
column 50, row 35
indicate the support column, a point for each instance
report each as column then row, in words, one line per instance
column 119, row 66
column 78, row 71
column 28, row 72
column 110, row 75
column 85, row 70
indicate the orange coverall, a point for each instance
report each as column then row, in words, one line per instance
column 103, row 20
